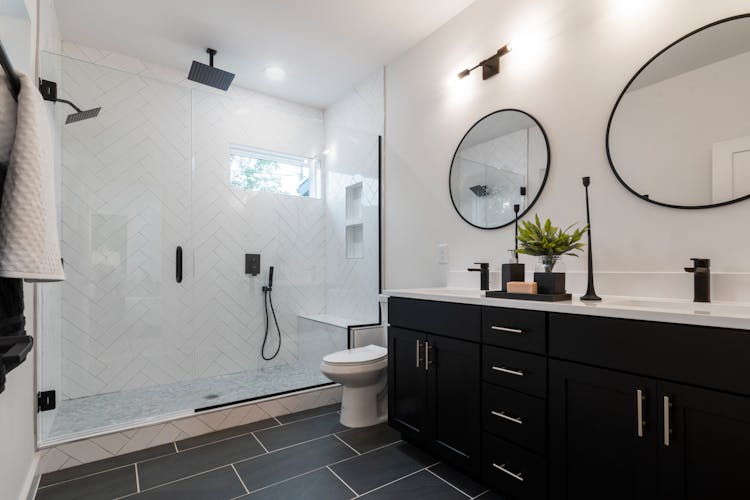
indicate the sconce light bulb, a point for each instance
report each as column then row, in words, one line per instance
column 504, row 49
column 464, row 73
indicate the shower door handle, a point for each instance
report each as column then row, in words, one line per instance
column 178, row 265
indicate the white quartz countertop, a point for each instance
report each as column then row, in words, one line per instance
column 717, row 314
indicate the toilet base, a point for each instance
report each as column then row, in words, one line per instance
column 363, row 406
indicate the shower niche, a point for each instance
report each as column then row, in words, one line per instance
column 121, row 341
column 355, row 248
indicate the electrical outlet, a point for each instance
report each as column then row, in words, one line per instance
column 442, row 253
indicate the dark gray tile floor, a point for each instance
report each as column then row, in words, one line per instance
column 308, row 455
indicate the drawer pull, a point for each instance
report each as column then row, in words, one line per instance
column 507, row 417
column 518, row 476
column 667, row 427
column 506, row 329
column 639, row 411
column 508, row 370
column 418, row 358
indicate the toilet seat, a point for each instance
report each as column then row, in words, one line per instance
column 356, row 356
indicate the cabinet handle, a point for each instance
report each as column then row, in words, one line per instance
column 427, row 361
column 178, row 265
column 418, row 358
column 667, row 429
column 518, row 476
column 518, row 373
column 507, row 417
column 506, row 329
column 639, row 407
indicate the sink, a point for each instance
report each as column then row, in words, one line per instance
column 684, row 306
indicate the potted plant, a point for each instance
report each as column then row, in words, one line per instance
column 549, row 243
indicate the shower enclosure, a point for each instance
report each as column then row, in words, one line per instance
column 121, row 341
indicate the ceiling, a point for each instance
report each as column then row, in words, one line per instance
column 324, row 46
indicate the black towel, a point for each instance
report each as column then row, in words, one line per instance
column 12, row 320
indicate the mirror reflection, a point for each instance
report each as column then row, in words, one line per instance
column 680, row 133
column 502, row 161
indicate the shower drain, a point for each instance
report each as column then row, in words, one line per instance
column 210, row 396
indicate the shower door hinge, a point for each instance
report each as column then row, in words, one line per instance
column 45, row 401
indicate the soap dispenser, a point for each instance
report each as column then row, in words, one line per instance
column 513, row 270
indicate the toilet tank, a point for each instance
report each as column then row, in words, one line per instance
column 368, row 335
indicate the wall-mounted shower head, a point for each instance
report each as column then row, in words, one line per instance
column 49, row 92
column 208, row 75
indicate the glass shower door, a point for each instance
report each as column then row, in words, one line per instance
column 118, row 326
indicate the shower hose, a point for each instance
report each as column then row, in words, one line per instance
column 266, row 301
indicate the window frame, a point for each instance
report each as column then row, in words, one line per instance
column 313, row 162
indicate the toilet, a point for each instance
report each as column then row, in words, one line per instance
column 361, row 371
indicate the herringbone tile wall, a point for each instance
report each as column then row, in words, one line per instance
column 152, row 172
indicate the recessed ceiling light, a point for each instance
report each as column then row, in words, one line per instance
column 275, row 74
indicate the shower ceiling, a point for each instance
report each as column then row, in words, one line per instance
column 325, row 46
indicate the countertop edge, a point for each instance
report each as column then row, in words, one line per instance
column 576, row 306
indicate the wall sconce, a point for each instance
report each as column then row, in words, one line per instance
column 490, row 66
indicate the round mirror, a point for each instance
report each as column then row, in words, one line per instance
column 679, row 134
column 503, row 160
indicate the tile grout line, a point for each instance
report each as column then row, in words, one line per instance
column 339, row 478
column 319, row 468
column 277, row 421
column 448, row 483
column 258, row 440
column 137, row 479
column 347, row 444
column 240, row 478
column 397, row 480
column 482, row 493
column 226, row 438
column 176, row 449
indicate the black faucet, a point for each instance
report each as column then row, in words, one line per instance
column 701, row 279
column 484, row 269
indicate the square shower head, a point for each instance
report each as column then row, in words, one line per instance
column 208, row 75
column 82, row 115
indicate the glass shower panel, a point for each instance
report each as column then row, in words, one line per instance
column 124, row 195
column 228, row 222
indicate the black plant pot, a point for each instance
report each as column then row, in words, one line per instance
column 550, row 283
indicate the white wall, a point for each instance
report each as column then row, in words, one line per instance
column 570, row 61
column 352, row 127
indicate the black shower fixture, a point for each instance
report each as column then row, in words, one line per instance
column 490, row 66
column 208, row 75
column 480, row 190
column 49, row 93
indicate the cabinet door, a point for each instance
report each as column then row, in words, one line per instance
column 602, row 438
column 705, row 455
column 407, row 383
column 453, row 381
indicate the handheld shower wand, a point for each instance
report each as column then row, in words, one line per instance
column 266, row 301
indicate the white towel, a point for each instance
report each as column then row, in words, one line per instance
column 29, row 245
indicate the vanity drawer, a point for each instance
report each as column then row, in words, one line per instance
column 515, row 370
column 705, row 356
column 515, row 416
column 510, row 469
column 461, row 321
column 516, row 329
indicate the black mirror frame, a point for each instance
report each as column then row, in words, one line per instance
column 617, row 103
column 541, row 186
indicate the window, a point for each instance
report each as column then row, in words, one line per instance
column 259, row 170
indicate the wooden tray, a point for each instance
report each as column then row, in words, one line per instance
column 543, row 297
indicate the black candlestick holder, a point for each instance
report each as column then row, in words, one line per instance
column 590, row 292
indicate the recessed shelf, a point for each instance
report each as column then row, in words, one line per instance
column 354, row 203
column 355, row 245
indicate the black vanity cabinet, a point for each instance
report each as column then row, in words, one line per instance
column 603, row 433
column 543, row 405
column 709, row 442
column 434, row 378
column 618, row 435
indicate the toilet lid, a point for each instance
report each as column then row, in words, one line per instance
column 357, row 355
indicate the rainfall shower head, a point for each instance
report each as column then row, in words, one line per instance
column 49, row 92
column 208, row 75
column 480, row 190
